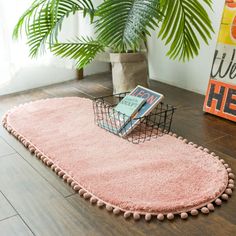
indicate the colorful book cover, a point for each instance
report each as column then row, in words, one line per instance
column 128, row 106
column 152, row 99
column 122, row 113
column 221, row 93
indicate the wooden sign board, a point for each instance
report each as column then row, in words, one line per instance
column 221, row 93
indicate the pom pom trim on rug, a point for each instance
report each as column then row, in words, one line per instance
column 205, row 209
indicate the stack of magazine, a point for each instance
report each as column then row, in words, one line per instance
column 127, row 113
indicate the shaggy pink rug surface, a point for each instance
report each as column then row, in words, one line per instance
column 161, row 177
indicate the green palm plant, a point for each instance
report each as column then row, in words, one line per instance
column 121, row 25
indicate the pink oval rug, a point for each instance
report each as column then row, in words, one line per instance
column 161, row 177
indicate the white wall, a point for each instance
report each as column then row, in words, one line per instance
column 18, row 72
column 193, row 75
column 85, row 29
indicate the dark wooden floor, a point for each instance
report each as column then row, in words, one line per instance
column 34, row 201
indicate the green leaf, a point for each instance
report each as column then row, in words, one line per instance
column 43, row 21
column 122, row 24
column 83, row 50
column 185, row 22
column 26, row 18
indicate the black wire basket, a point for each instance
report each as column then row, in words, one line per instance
column 143, row 129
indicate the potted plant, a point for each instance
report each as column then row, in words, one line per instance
column 123, row 26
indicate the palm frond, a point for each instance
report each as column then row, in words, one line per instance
column 209, row 3
column 83, row 50
column 26, row 17
column 48, row 23
column 43, row 21
column 123, row 24
column 185, row 21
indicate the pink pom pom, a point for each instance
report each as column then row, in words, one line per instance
column 226, row 165
column 65, row 177
column 185, row 141
column 228, row 191
column 57, row 169
column 127, row 214
column 116, row 211
column 100, row 203
column 206, row 150
column 210, row 207
column 218, row 202
column 190, row 143
column 69, row 180
column 195, row 145
column 61, row 173
column 9, row 129
column 148, row 217
column 53, row 167
column 136, row 216
column 93, row 200
column 231, row 186
column 184, row 215
column 109, row 207
column 201, row 147
column 231, row 175
column 225, row 197
column 180, row 138
column 205, row 210
column 160, row 217
column 32, row 150
column 222, row 161
column 229, row 170
column 77, row 187
column 82, row 192
column 170, row 216
column 49, row 163
column 194, row 212
column 87, row 196
column 45, row 160
column 40, row 155
column 231, row 181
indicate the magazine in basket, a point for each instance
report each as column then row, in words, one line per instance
column 152, row 99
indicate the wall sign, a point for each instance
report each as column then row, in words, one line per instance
column 221, row 93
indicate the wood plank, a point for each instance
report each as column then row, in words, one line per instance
column 45, row 172
column 8, row 101
column 14, row 226
column 105, row 223
column 63, row 91
column 177, row 96
column 182, row 98
column 41, row 207
column 226, row 145
column 5, row 149
column 95, row 85
column 189, row 123
column 37, row 193
column 227, row 211
column 6, row 210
